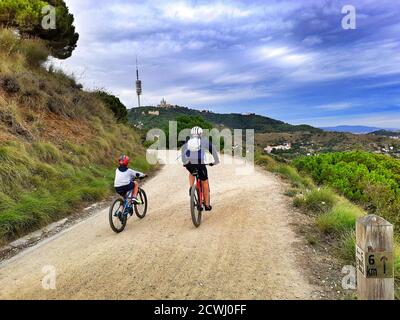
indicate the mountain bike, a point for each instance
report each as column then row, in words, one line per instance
column 197, row 204
column 122, row 208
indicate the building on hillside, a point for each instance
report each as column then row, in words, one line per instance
column 286, row 146
column 154, row 113
column 248, row 114
column 164, row 104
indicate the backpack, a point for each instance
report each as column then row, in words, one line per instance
column 194, row 144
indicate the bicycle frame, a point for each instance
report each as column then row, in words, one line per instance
column 200, row 188
column 128, row 199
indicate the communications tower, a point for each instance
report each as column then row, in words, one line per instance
column 138, row 84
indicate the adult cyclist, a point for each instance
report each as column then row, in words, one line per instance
column 193, row 158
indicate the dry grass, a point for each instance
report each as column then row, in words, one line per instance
column 58, row 143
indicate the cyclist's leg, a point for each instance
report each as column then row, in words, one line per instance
column 203, row 175
column 189, row 167
column 135, row 189
column 206, row 191
column 191, row 180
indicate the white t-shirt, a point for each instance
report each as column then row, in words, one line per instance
column 123, row 178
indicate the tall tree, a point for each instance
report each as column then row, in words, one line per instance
column 27, row 16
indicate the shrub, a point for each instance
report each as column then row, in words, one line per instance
column 8, row 41
column 370, row 179
column 341, row 218
column 5, row 201
column 10, row 117
column 317, row 200
column 141, row 164
column 265, row 161
column 10, row 84
column 115, row 105
column 34, row 51
column 291, row 173
column 47, row 152
column 347, row 246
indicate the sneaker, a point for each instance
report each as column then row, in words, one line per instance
column 209, row 208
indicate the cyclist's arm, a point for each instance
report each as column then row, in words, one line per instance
column 136, row 174
column 213, row 151
column 183, row 154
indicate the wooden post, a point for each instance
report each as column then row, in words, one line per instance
column 374, row 255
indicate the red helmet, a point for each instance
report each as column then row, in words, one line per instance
column 123, row 161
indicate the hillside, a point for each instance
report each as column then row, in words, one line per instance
column 155, row 117
column 386, row 133
column 351, row 129
column 303, row 143
column 58, row 143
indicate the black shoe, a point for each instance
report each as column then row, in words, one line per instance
column 209, row 208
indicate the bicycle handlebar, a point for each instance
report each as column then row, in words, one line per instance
column 140, row 177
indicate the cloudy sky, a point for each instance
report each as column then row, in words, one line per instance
column 290, row 60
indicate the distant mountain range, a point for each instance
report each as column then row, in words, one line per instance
column 158, row 117
column 356, row 129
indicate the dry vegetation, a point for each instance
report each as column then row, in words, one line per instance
column 58, row 143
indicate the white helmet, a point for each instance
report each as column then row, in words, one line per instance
column 196, row 132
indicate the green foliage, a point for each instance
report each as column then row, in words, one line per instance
column 295, row 178
column 26, row 16
column 115, row 105
column 47, row 152
column 34, row 51
column 234, row 121
column 188, row 122
column 347, row 246
column 317, row 201
column 265, row 161
column 370, row 179
column 41, row 182
column 341, row 218
column 8, row 41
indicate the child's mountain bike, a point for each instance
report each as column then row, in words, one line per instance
column 122, row 209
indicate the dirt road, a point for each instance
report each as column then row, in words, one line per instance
column 244, row 249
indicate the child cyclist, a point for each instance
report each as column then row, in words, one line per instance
column 124, row 180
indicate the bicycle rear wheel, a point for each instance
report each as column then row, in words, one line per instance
column 141, row 209
column 117, row 216
column 195, row 206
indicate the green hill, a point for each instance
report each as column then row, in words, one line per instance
column 145, row 118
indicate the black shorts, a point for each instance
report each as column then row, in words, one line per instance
column 200, row 168
column 122, row 191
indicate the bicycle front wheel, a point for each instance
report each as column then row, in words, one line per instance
column 195, row 206
column 141, row 208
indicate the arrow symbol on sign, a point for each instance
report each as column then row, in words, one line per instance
column 384, row 259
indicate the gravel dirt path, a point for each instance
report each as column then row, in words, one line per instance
column 244, row 249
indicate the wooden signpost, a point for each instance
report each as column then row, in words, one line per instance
column 374, row 255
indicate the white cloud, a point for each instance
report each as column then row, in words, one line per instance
column 335, row 106
column 312, row 40
column 203, row 13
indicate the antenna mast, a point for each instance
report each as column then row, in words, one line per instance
column 138, row 83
